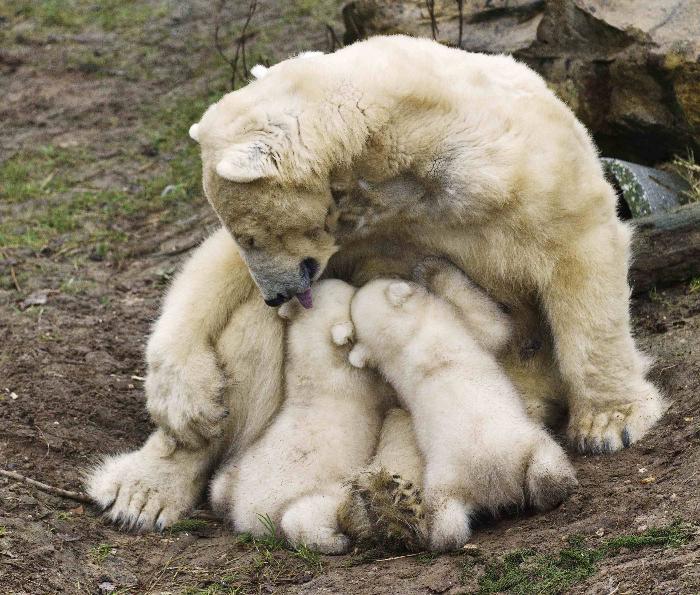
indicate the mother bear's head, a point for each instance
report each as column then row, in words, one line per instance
column 266, row 167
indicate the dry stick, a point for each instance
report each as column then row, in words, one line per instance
column 12, row 273
column 200, row 514
column 240, row 42
column 460, row 6
column 45, row 487
column 430, row 4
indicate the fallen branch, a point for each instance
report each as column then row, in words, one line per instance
column 666, row 248
column 82, row 497
column 49, row 489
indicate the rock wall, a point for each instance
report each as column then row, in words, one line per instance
column 629, row 68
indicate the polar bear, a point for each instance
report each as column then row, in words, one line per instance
column 321, row 167
column 469, row 156
column 295, row 474
column 481, row 450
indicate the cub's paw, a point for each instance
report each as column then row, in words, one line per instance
column 385, row 510
column 147, row 489
column 313, row 521
column 550, row 478
column 184, row 397
column 450, row 528
column 599, row 427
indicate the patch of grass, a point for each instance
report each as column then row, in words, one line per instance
column 427, row 558
column 270, row 539
column 101, row 552
column 76, row 15
column 694, row 285
column 688, row 169
column 186, row 525
column 309, row 557
column 525, row 572
column 3, row 531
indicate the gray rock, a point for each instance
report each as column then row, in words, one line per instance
column 645, row 190
column 629, row 69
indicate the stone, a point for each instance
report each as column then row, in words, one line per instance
column 630, row 70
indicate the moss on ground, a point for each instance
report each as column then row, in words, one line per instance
column 526, row 572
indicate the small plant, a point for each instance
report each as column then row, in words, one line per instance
column 310, row 557
column 100, row 552
column 689, row 170
column 694, row 285
column 3, row 531
column 270, row 540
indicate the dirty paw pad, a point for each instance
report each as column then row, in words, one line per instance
column 384, row 510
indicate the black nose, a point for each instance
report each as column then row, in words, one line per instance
column 277, row 301
column 309, row 267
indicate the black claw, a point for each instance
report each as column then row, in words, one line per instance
column 607, row 447
column 626, row 438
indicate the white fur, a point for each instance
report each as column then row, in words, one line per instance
column 480, row 448
column 326, row 430
column 259, row 71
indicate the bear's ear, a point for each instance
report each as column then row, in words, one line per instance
column 398, row 292
column 259, row 71
column 194, row 132
column 246, row 162
column 342, row 332
column 289, row 310
column 359, row 356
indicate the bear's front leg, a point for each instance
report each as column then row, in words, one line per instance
column 154, row 486
column 185, row 383
column 611, row 404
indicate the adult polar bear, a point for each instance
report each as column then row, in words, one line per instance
column 461, row 155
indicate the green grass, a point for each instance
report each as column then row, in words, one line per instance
column 3, row 531
column 101, row 552
column 187, row 525
column 76, row 15
column 42, row 198
column 694, row 285
column 526, row 572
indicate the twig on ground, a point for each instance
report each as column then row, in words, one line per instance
column 12, row 273
column 460, row 7
column 399, row 557
column 45, row 487
column 333, row 41
column 241, row 40
column 199, row 514
column 430, row 5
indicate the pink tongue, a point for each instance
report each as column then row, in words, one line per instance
column 305, row 299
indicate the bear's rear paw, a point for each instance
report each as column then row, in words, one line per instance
column 598, row 427
column 385, row 510
column 550, row 477
column 141, row 491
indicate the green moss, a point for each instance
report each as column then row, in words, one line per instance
column 526, row 572
column 187, row 525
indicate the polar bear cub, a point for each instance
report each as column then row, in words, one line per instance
column 481, row 450
column 326, row 431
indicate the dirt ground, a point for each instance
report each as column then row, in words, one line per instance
column 100, row 201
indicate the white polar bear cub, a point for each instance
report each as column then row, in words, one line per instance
column 326, row 431
column 481, row 450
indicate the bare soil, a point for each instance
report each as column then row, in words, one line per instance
column 71, row 368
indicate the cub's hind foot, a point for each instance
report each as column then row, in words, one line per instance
column 385, row 510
